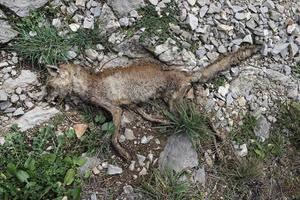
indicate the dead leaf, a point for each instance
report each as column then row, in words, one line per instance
column 80, row 129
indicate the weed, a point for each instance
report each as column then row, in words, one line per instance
column 245, row 132
column 41, row 43
column 186, row 119
column 156, row 25
column 168, row 185
column 289, row 121
column 296, row 70
column 217, row 82
column 44, row 165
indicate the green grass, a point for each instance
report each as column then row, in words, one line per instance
column 296, row 70
column 186, row 119
column 168, row 186
column 218, row 81
column 156, row 25
column 47, row 46
column 43, row 165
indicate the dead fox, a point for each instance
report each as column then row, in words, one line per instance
column 115, row 87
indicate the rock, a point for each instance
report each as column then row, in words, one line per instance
column 203, row 11
column 153, row 2
column 241, row 150
column 4, row 105
column 291, row 28
column 294, row 49
column 122, row 138
column 123, row 7
column 71, row 54
column 113, row 170
column 23, row 7
column 213, row 8
column 80, row 129
column 224, row 27
column 141, row 159
column 191, row 2
column 108, row 20
column 199, row 176
column 91, row 53
column 2, row 141
column 178, row 154
column 132, row 165
column 56, row 23
column 91, row 162
column 146, row 140
column 3, row 95
column 143, row 172
column 132, row 48
column 262, row 128
column 94, row 196
column 19, row 90
column 88, row 22
column 223, row 90
column 242, row 16
column 248, row 39
column 7, row 33
column 80, row 3
column 124, row 21
column 129, row 134
column 26, row 78
column 14, row 98
column 192, row 20
column 35, row 117
column 3, row 64
column 74, row 27
column 18, row 112
column 279, row 48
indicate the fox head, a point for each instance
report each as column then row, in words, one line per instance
column 59, row 83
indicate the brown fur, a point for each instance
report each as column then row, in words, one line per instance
column 115, row 87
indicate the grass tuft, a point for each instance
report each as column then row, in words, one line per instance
column 186, row 119
column 168, row 185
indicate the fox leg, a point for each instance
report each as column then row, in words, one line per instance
column 149, row 117
column 177, row 96
column 116, row 113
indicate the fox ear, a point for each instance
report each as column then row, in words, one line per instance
column 52, row 70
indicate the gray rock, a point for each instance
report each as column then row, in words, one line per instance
column 132, row 48
column 278, row 48
column 90, row 163
column 14, row 98
column 25, row 79
column 178, row 154
column 2, row 15
column 23, row 7
column 199, row 176
column 18, row 112
column 192, row 20
column 94, row 196
column 35, row 117
column 3, row 95
column 248, row 39
column 262, row 128
column 108, row 20
column 213, row 8
column 124, row 21
column 56, row 23
column 91, row 53
column 123, row 7
column 203, row 11
column 130, row 194
column 88, row 22
column 4, row 105
column 71, row 54
column 129, row 134
column 113, row 170
column 7, row 33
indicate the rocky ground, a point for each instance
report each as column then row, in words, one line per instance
column 187, row 33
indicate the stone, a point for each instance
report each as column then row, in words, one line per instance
column 71, row 54
column 18, row 112
column 3, row 64
column 279, row 48
column 213, row 8
column 241, row 150
column 248, row 39
column 123, row 7
column 141, row 159
column 143, row 172
column 4, row 105
column 203, row 11
column 191, row 2
column 153, row 2
column 88, row 22
column 294, row 49
column 80, row 3
column 199, row 176
column 129, row 134
column 224, row 27
column 14, row 98
column 114, row 170
column 56, row 23
column 192, row 20
column 122, row 138
column 29, row 104
column 242, row 16
column 178, row 154
column 90, row 163
column 108, row 20
column 35, row 117
column 91, row 53
column 26, row 78
column 124, row 21
column 145, row 139
column 7, row 33
column 223, row 90
column 290, row 29
column 3, row 95
column 262, row 128
column 74, row 27
column 132, row 48
column 23, row 7
column 19, row 90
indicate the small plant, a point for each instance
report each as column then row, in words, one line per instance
column 246, row 131
column 217, row 82
column 186, row 119
column 168, row 186
column 296, row 70
column 157, row 25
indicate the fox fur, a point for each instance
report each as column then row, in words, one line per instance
column 114, row 87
